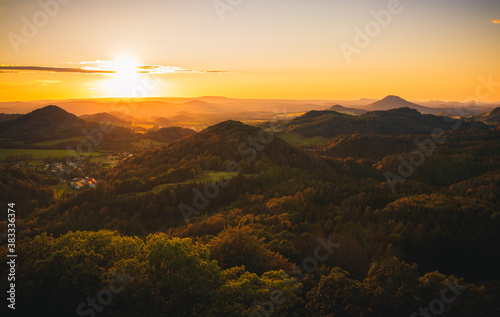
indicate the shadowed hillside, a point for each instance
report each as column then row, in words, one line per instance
column 400, row 121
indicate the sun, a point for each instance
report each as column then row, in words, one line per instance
column 125, row 65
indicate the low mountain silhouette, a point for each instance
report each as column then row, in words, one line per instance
column 395, row 102
column 490, row 117
column 8, row 116
column 50, row 123
column 391, row 102
column 400, row 121
column 494, row 115
column 161, row 121
column 47, row 123
column 341, row 109
column 170, row 134
column 104, row 117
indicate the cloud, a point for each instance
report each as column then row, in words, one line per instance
column 52, row 69
column 101, row 67
column 495, row 21
column 31, row 83
column 159, row 69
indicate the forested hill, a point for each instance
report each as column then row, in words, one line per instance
column 400, row 121
column 170, row 134
column 47, row 123
column 227, row 141
column 104, row 117
column 53, row 123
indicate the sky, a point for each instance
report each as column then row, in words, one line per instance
column 290, row 49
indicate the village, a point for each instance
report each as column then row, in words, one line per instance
column 83, row 166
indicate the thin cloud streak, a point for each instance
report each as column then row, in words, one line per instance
column 52, row 69
column 102, row 67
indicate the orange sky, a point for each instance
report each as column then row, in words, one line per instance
column 293, row 49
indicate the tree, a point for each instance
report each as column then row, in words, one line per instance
column 238, row 246
column 337, row 295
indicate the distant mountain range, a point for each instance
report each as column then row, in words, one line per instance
column 165, row 107
column 52, row 122
column 395, row 102
column 217, row 109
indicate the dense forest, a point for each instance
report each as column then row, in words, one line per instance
column 387, row 218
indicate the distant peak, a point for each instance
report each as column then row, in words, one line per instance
column 393, row 97
column 50, row 109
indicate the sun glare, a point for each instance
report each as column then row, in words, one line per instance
column 125, row 65
column 124, row 81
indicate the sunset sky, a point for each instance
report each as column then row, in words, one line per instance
column 424, row 49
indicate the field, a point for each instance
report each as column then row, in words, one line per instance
column 41, row 154
column 205, row 177
column 297, row 139
column 55, row 142
column 145, row 143
column 61, row 189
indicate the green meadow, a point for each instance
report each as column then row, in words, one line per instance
column 41, row 154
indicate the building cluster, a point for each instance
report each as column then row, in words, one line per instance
column 113, row 159
column 79, row 183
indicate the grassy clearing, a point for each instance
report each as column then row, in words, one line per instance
column 145, row 143
column 204, row 177
column 145, row 126
column 297, row 139
column 55, row 142
column 61, row 189
column 41, row 154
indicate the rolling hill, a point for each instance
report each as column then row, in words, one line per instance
column 351, row 111
column 400, row 121
column 229, row 141
column 105, row 117
column 492, row 117
column 47, row 123
column 8, row 116
column 53, row 123
column 168, row 135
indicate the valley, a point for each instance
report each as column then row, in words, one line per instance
column 238, row 208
